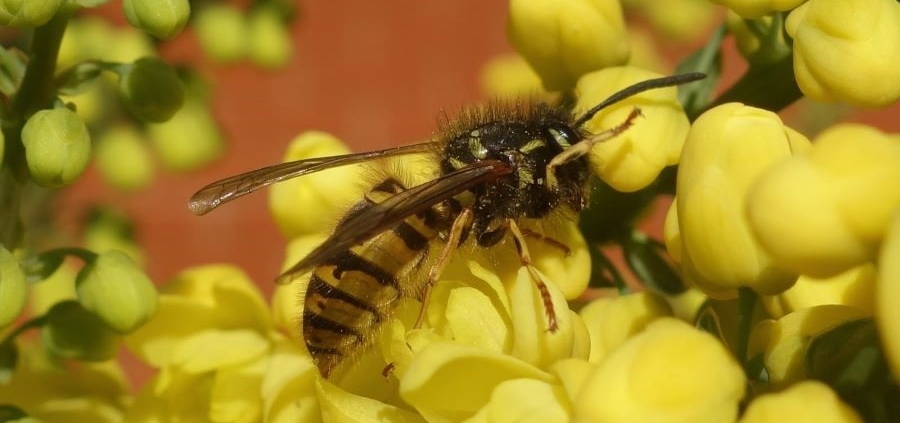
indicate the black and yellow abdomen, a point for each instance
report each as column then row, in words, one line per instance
column 353, row 292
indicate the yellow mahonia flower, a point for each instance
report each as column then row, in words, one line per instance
column 564, row 40
column 632, row 160
column 825, row 211
column 652, row 377
column 855, row 288
column 331, row 190
column 806, row 402
column 727, row 148
column 611, row 321
column 752, row 9
column 54, row 390
column 842, row 46
column 189, row 140
column 509, row 76
column 887, row 290
column 784, row 342
column 680, row 20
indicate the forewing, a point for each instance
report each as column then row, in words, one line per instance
column 231, row 188
column 388, row 213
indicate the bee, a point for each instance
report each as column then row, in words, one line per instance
column 497, row 166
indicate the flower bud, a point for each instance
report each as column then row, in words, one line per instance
column 71, row 331
column 825, row 211
column 854, row 288
column 163, row 19
column 151, row 89
column 564, row 40
column 793, row 405
column 752, row 9
column 727, row 148
column 117, row 291
column 847, row 50
column 887, row 290
column 222, row 32
column 635, row 382
column 123, row 159
column 322, row 195
column 13, row 288
column 270, row 42
column 27, row 13
column 509, row 76
column 611, row 321
column 57, row 147
column 632, row 160
column 189, row 140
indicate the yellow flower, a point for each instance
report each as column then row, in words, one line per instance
column 564, row 40
column 633, row 159
column 784, row 342
column 222, row 31
column 727, row 149
column 612, row 321
column 652, row 377
column 752, row 9
column 855, row 288
column 189, row 140
column 270, row 40
column 887, row 290
column 806, row 402
column 123, row 158
column 510, row 76
column 332, row 190
column 55, row 390
column 841, row 47
column 825, row 211
column 680, row 20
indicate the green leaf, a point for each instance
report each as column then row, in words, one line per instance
column 78, row 78
column 9, row 356
column 12, row 70
column 647, row 260
column 11, row 413
column 695, row 97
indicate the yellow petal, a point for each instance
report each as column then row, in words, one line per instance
column 211, row 349
column 339, row 406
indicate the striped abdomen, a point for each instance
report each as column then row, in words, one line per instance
column 358, row 289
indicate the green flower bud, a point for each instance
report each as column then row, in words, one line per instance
column 151, row 89
column 27, row 13
column 222, row 32
column 163, row 19
column 73, row 332
column 117, row 291
column 123, row 159
column 270, row 42
column 189, row 140
column 13, row 289
column 57, row 147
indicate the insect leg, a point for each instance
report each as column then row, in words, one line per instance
column 547, row 240
column 583, row 147
column 525, row 258
column 460, row 224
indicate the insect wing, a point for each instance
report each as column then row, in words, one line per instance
column 220, row 192
column 388, row 213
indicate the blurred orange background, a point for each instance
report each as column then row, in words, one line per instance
column 375, row 74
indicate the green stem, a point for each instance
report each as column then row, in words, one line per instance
column 36, row 92
column 34, row 322
column 770, row 86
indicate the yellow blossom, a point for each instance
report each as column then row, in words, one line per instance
column 123, row 159
column 564, row 40
column 632, row 160
column 653, row 377
column 842, row 47
column 509, row 76
column 826, row 210
column 887, row 290
column 189, row 139
column 332, row 190
column 806, row 402
column 611, row 321
column 854, row 288
column 752, row 9
column 222, row 31
column 270, row 39
column 680, row 20
column 727, row 149
column 784, row 342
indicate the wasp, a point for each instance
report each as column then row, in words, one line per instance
column 497, row 166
